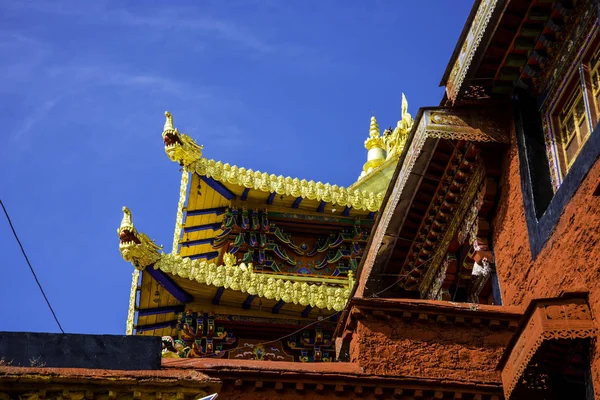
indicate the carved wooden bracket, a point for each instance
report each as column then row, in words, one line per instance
column 544, row 320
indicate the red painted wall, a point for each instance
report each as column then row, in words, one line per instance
column 569, row 260
column 428, row 349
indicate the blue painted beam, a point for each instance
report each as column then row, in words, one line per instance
column 217, row 299
column 245, row 194
column 161, row 310
column 209, row 256
column 278, row 306
column 198, row 242
column 159, row 325
column 306, row 311
column 206, row 211
column 169, row 284
column 346, row 211
column 248, row 303
column 271, row 197
column 371, row 215
column 297, row 202
column 321, row 207
column 218, row 187
column 215, row 226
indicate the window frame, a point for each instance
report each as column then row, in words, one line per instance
column 546, row 192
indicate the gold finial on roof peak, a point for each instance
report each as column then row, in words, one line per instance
column 374, row 141
column 374, row 127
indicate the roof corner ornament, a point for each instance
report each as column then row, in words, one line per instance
column 136, row 247
column 180, row 148
column 396, row 140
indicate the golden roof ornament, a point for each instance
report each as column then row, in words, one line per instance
column 374, row 141
column 396, row 140
column 376, row 148
column 136, row 247
column 179, row 147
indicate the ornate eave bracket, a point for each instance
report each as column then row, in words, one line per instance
column 568, row 317
column 184, row 150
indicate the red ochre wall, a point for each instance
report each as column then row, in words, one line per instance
column 428, row 349
column 570, row 259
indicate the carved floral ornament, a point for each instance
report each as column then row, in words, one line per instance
column 182, row 149
column 141, row 251
column 550, row 320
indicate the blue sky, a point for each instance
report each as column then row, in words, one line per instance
column 286, row 87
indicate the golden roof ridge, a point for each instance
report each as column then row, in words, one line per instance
column 183, row 149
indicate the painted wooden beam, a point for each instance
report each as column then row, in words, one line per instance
column 217, row 299
column 346, row 211
column 271, row 198
column 198, row 242
column 278, row 306
column 209, row 256
column 248, row 303
column 159, row 325
column 161, row 310
column 245, row 194
column 207, row 211
column 218, row 187
column 321, row 207
column 297, row 202
column 169, row 284
column 215, row 226
column 306, row 311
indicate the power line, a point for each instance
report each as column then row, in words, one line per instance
column 30, row 267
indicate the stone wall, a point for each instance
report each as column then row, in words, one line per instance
column 570, row 259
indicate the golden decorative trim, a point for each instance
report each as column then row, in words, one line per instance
column 179, row 221
column 135, row 277
column 141, row 251
column 470, row 45
column 182, row 149
column 242, row 278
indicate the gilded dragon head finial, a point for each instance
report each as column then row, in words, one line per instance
column 179, row 147
column 135, row 247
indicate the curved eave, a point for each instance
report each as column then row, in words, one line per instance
column 329, row 293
